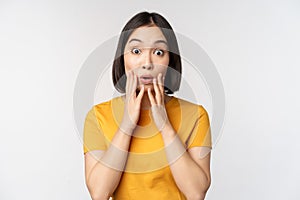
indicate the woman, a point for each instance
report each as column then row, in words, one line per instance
column 147, row 144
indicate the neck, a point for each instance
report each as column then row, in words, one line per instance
column 145, row 103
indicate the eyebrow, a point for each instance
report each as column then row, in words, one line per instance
column 156, row 42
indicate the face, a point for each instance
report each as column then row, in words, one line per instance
column 146, row 54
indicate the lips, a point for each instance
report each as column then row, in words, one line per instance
column 146, row 79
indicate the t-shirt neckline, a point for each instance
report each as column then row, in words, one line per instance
column 172, row 98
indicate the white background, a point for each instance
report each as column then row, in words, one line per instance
column 254, row 45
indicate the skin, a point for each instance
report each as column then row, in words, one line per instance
column 146, row 52
column 143, row 56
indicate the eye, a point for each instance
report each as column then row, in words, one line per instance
column 159, row 52
column 136, row 51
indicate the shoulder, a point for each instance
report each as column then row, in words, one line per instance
column 190, row 106
column 107, row 105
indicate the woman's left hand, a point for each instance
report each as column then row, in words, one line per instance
column 158, row 109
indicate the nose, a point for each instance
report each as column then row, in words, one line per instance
column 147, row 61
column 148, row 66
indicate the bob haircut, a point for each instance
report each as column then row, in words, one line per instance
column 173, row 77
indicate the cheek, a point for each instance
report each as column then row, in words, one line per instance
column 166, row 64
column 163, row 62
column 166, row 61
column 129, row 62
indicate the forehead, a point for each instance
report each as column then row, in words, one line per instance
column 147, row 34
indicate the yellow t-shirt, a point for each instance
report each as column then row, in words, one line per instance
column 147, row 172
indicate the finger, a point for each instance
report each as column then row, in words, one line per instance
column 160, row 83
column 131, row 82
column 151, row 98
column 134, row 85
column 128, row 83
column 140, row 95
column 157, row 92
column 161, row 87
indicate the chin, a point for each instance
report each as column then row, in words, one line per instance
column 146, row 87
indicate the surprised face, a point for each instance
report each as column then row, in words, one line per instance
column 146, row 54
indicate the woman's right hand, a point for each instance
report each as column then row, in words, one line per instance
column 132, row 104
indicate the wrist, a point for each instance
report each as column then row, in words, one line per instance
column 168, row 134
column 174, row 149
column 126, row 128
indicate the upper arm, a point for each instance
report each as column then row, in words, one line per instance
column 93, row 136
column 90, row 160
column 200, row 135
column 200, row 143
column 201, row 155
column 93, row 142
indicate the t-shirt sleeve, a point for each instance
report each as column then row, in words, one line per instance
column 93, row 137
column 201, row 132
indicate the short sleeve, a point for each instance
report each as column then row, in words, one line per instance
column 201, row 132
column 93, row 138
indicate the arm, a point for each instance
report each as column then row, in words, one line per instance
column 191, row 174
column 102, row 178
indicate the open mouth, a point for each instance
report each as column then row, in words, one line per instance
column 146, row 79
